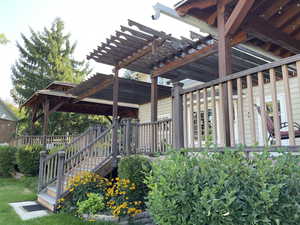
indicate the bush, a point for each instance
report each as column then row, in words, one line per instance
column 28, row 159
column 225, row 189
column 94, row 204
column 7, row 160
column 120, row 198
column 135, row 168
column 78, row 187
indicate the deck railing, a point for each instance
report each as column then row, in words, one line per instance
column 147, row 137
column 50, row 140
column 263, row 105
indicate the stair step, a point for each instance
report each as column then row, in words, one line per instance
column 52, row 191
column 47, row 201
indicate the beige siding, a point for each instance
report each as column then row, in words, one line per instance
column 164, row 110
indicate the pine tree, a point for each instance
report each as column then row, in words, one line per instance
column 45, row 57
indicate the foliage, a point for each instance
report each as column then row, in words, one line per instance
column 30, row 182
column 135, row 168
column 79, row 185
column 225, row 189
column 94, row 204
column 3, row 39
column 116, row 192
column 27, row 158
column 119, row 198
column 45, row 57
column 7, row 160
column 12, row 190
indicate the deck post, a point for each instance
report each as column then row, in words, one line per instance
column 43, row 155
column 225, row 69
column 60, row 174
column 46, row 121
column 153, row 113
column 177, row 114
column 115, row 116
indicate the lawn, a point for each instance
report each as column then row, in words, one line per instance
column 12, row 190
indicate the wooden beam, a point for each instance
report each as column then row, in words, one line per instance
column 237, row 16
column 287, row 15
column 95, row 89
column 183, row 10
column 206, row 51
column 267, row 32
column 140, row 53
column 225, row 55
column 274, row 7
column 153, row 99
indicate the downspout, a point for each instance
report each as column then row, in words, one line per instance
column 203, row 26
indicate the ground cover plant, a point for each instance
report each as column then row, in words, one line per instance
column 225, row 189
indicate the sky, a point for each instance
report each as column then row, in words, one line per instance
column 89, row 22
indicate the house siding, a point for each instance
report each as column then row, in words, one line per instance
column 7, row 130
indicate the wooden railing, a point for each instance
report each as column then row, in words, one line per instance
column 50, row 140
column 148, row 137
column 263, row 105
column 51, row 165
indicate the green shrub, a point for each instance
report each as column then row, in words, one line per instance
column 28, row 159
column 92, row 205
column 227, row 189
column 7, row 160
column 135, row 168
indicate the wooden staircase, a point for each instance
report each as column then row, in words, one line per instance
column 91, row 151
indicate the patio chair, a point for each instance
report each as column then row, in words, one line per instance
column 283, row 134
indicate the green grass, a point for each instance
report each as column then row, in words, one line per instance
column 12, row 190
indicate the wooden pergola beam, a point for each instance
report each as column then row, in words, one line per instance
column 206, row 51
column 237, row 16
column 95, row 89
column 183, row 10
column 140, row 53
column 267, row 32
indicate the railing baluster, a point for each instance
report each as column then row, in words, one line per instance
column 231, row 115
column 288, row 100
column 251, row 109
column 214, row 115
column 222, row 118
column 199, row 119
column 206, row 126
column 262, row 107
column 191, row 132
column 185, row 121
column 241, row 125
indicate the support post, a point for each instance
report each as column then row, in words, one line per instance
column 115, row 116
column 46, row 121
column 60, row 174
column 154, row 112
column 177, row 114
column 43, row 155
column 225, row 69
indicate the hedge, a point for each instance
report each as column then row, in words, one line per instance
column 7, row 160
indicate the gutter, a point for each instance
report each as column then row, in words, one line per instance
column 204, row 27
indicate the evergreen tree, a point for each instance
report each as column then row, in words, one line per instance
column 45, row 57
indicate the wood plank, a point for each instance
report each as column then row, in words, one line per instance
column 251, row 109
column 184, row 9
column 95, row 89
column 199, row 119
column 288, row 101
column 262, row 107
column 154, row 99
column 214, row 115
column 231, row 113
column 273, row 8
column 237, row 16
column 177, row 115
column 206, row 126
column 267, row 32
column 191, row 133
column 221, row 112
column 199, row 54
column 185, row 121
column 241, row 126
column 287, row 15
